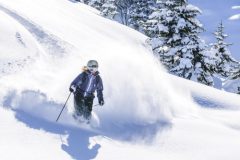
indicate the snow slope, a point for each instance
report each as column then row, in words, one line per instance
column 147, row 111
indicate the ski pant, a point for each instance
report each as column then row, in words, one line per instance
column 83, row 105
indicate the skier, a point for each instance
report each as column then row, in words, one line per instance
column 83, row 87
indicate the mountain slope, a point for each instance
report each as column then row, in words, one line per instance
column 146, row 111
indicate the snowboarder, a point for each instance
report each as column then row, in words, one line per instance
column 83, row 87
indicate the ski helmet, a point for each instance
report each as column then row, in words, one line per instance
column 92, row 65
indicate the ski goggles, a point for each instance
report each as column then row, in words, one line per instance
column 93, row 66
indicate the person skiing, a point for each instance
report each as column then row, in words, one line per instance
column 83, row 87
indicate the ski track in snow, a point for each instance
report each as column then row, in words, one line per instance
column 51, row 43
column 13, row 66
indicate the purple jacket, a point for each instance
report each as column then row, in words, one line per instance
column 87, row 83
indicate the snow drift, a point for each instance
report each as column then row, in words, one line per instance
column 142, row 100
column 137, row 90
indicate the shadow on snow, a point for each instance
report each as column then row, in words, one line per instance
column 35, row 110
column 77, row 145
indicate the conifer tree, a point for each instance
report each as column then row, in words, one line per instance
column 225, row 63
column 139, row 13
column 95, row 3
column 236, row 74
column 109, row 9
column 174, row 35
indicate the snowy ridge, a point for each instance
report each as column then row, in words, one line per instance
column 214, row 98
column 144, row 105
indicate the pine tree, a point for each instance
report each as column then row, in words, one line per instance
column 139, row 13
column 109, row 9
column 84, row 1
column 225, row 63
column 236, row 74
column 95, row 3
column 174, row 35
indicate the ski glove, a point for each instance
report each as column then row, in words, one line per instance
column 72, row 88
column 101, row 102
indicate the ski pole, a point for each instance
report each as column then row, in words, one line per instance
column 63, row 107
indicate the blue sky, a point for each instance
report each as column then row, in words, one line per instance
column 213, row 11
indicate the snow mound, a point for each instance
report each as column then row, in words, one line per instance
column 137, row 90
column 232, row 86
column 143, row 103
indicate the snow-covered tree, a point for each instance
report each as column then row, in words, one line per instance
column 109, row 9
column 123, row 7
column 225, row 63
column 95, row 3
column 234, row 79
column 128, row 12
column 235, row 74
column 174, row 35
column 139, row 13
column 84, row 1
